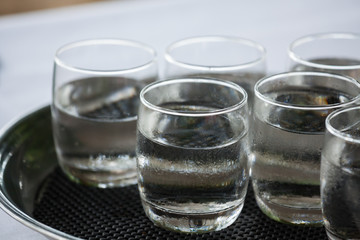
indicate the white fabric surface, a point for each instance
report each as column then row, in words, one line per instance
column 28, row 41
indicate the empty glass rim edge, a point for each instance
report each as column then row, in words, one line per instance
column 308, row 38
column 192, row 80
column 214, row 38
column 339, row 133
column 299, row 107
column 107, row 41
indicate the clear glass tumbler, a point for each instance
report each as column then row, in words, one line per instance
column 328, row 52
column 340, row 174
column 192, row 153
column 287, row 133
column 96, row 87
column 234, row 59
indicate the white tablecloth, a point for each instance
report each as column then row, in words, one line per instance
column 28, row 41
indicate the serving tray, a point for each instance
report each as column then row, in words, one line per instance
column 34, row 191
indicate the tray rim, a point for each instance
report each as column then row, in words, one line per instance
column 6, row 205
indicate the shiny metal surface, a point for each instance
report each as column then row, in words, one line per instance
column 27, row 156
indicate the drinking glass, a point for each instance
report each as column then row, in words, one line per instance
column 192, row 151
column 288, row 127
column 239, row 60
column 96, row 86
column 340, row 174
column 328, row 52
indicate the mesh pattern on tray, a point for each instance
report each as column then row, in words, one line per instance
column 92, row 213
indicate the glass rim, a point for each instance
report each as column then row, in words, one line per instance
column 165, row 82
column 267, row 79
column 309, row 38
column 105, row 41
column 338, row 133
column 214, row 38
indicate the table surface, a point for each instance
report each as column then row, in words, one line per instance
column 28, row 42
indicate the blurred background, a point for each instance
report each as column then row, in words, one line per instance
column 32, row 30
column 11, row 6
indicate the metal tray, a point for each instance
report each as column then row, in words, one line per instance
column 34, row 191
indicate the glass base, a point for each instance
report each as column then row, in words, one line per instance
column 342, row 233
column 332, row 236
column 191, row 223
column 101, row 179
column 292, row 215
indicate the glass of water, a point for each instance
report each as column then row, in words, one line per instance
column 192, row 151
column 96, row 86
column 329, row 52
column 234, row 59
column 340, row 174
column 287, row 133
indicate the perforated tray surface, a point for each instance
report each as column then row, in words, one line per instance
column 92, row 213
